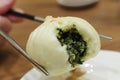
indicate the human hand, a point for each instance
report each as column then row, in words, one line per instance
column 7, row 20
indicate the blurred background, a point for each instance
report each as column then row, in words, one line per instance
column 103, row 15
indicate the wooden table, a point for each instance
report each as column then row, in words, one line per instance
column 104, row 16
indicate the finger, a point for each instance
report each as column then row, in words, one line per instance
column 15, row 18
column 5, row 24
column 5, row 5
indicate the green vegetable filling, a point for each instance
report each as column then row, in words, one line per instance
column 76, row 46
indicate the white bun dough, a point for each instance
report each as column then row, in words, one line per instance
column 44, row 47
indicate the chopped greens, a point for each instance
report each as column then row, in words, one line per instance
column 76, row 46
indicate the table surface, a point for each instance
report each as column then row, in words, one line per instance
column 104, row 16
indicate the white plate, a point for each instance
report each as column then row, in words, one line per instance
column 105, row 66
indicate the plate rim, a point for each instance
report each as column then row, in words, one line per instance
column 34, row 70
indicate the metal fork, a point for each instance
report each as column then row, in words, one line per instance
column 22, row 51
column 40, row 19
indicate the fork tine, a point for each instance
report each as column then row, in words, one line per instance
column 22, row 51
column 40, row 19
column 105, row 37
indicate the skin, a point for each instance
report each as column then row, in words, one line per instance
column 7, row 20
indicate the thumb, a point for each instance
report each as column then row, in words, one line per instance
column 5, row 5
column 5, row 24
